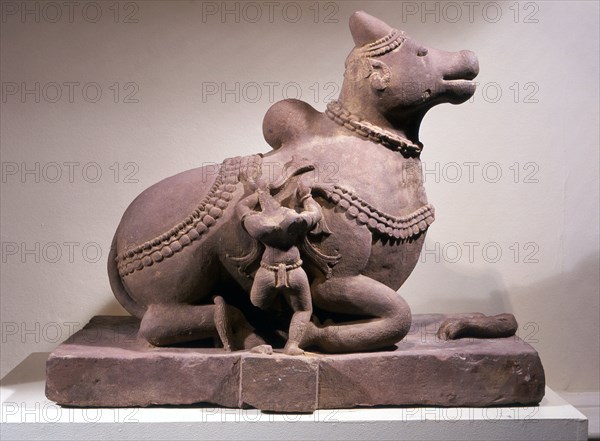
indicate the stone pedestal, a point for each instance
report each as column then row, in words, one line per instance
column 106, row 364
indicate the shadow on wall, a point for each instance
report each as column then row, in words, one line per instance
column 567, row 338
column 112, row 307
column 24, row 373
column 469, row 288
column 549, row 313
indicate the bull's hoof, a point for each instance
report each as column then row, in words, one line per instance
column 452, row 329
column 262, row 349
column 293, row 350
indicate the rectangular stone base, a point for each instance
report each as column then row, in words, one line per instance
column 106, row 364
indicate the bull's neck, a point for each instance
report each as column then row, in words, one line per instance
column 376, row 128
column 405, row 126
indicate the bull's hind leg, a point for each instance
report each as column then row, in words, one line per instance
column 478, row 325
column 387, row 321
column 168, row 324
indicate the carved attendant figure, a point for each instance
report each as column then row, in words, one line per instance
column 280, row 229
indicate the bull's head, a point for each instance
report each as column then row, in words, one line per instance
column 392, row 81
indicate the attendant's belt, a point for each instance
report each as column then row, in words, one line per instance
column 281, row 270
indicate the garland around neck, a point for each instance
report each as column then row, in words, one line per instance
column 337, row 113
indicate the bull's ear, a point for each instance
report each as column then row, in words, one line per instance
column 380, row 74
column 357, row 68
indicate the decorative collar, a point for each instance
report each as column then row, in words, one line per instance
column 337, row 113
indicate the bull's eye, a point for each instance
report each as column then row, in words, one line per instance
column 422, row 52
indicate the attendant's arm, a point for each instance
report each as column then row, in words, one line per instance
column 245, row 207
column 312, row 210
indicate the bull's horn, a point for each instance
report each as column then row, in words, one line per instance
column 366, row 29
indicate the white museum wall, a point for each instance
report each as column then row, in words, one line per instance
column 534, row 119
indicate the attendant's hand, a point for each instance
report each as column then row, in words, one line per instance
column 303, row 191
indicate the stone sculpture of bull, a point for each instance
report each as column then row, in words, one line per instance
column 183, row 263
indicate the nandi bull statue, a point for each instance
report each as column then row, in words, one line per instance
column 348, row 218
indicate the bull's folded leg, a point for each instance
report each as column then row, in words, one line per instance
column 478, row 326
column 169, row 324
column 390, row 315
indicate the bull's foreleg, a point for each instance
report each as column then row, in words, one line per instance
column 168, row 324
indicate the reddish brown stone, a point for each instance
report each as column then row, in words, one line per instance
column 458, row 373
column 280, row 383
column 107, row 364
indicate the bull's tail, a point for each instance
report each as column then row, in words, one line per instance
column 117, row 286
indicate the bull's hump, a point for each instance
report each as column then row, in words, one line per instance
column 288, row 121
column 163, row 205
